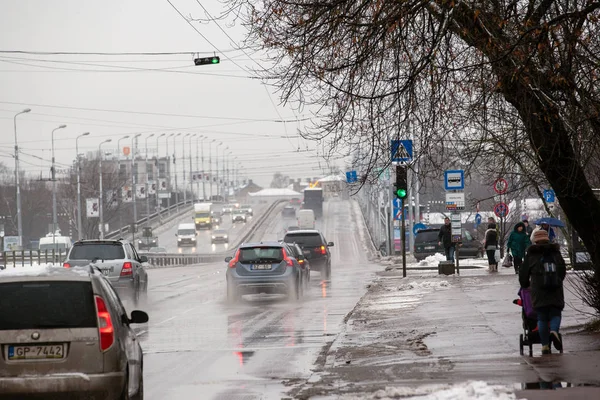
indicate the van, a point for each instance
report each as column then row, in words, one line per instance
column 186, row 235
column 60, row 244
column 306, row 219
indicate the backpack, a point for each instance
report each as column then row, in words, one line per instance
column 550, row 277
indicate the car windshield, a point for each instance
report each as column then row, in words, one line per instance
column 51, row 304
column 238, row 211
column 97, row 251
column 304, row 239
column 426, row 236
column 257, row 254
column 204, row 214
column 186, row 232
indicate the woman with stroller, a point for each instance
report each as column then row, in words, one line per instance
column 544, row 270
column 518, row 242
column 490, row 244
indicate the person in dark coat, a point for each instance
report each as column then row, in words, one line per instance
column 547, row 293
column 490, row 244
column 528, row 228
column 445, row 239
column 518, row 242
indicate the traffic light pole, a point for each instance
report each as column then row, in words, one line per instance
column 403, row 235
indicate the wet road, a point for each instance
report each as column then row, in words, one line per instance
column 198, row 347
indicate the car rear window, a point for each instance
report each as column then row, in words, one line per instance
column 47, row 304
column 256, row 254
column 304, row 239
column 97, row 251
column 426, row 236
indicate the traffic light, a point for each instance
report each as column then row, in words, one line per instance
column 401, row 190
column 207, row 60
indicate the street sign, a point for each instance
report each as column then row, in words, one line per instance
column 126, row 150
column 455, row 201
column 397, row 205
column 477, row 219
column 418, row 226
column 92, row 208
column 164, row 195
column 549, row 196
column 501, row 210
column 456, row 227
column 500, row 186
column 351, row 177
column 454, row 180
column 402, row 150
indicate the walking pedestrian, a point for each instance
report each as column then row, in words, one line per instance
column 544, row 270
column 491, row 245
column 518, row 242
column 445, row 239
column 547, row 228
column 528, row 228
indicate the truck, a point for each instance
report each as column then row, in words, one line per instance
column 148, row 239
column 202, row 215
column 313, row 200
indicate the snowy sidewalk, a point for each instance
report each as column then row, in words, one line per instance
column 450, row 337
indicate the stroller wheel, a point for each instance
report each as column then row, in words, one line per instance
column 521, row 344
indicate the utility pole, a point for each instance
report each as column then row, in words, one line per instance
column 190, row 178
column 175, row 171
column 184, row 182
column 79, row 224
column 54, row 216
column 100, row 200
column 119, row 152
column 147, row 183
column 134, row 181
column 168, row 173
column 203, row 170
column 17, row 184
column 158, row 204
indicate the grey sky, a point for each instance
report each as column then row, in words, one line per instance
column 183, row 93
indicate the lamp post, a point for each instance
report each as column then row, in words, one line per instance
column 54, row 216
column 210, row 165
column 100, row 200
column 134, row 181
column 147, row 183
column 168, row 172
column 190, row 149
column 184, row 182
column 223, row 183
column 79, row 225
column 217, row 148
column 202, row 158
column 19, row 219
column 119, row 151
column 175, row 170
column 157, row 176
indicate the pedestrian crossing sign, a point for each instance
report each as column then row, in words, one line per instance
column 402, row 150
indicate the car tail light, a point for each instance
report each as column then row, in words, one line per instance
column 235, row 259
column 105, row 325
column 127, row 269
column 288, row 261
column 66, row 265
column 300, row 261
column 321, row 250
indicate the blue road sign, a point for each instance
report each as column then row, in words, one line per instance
column 418, row 226
column 402, row 150
column 549, row 196
column 454, row 179
column 477, row 219
column 397, row 205
column 351, row 177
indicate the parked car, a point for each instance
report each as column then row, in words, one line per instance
column 238, row 215
column 64, row 333
column 117, row 260
column 288, row 212
column 426, row 244
column 266, row 267
column 314, row 247
column 219, row 236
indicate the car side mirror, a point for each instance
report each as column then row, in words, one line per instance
column 330, row 244
column 227, row 259
column 143, row 259
column 138, row 317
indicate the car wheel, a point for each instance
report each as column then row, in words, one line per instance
column 140, row 394
column 125, row 392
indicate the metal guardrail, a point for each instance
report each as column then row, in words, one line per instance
column 22, row 258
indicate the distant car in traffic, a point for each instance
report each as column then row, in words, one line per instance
column 288, row 212
column 247, row 208
column 228, row 208
column 219, row 236
column 426, row 244
column 266, row 267
column 314, row 247
column 64, row 333
column 157, row 250
column 296, row 201
column 186, row 235
column 216, row 217
column 306, row 219
column 117, row 260
column 292, row 228
column 238, row 215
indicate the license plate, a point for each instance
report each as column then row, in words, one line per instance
column 429, row 247
column 106, row 271
column 307, row 252
column 261, row 267
column 41, row 352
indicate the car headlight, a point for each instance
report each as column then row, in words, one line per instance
column 214, row 237
column 139, row 241
column 179, row 239
column 154, row 241
column 225, row 237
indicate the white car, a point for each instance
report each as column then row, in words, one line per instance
column 238, row 215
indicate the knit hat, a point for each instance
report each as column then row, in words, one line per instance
column 540, row 236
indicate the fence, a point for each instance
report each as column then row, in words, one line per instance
column 372, row 200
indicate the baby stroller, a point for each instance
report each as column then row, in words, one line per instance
column 530, row 335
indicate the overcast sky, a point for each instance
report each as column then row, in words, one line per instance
column 116, row 95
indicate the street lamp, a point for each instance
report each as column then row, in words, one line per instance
column 119, row 183
column 79, row 225
column 168, row 173
column 147, row 183
column 54, row 217
column 183, row 163
column 202, row 138
column 157, row 176
column 175, row 170
column 217, row 148
column 134, row 180
column 19, row 219
column 101, row 199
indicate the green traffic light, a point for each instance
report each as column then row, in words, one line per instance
column 401, row 193
column 215, row 60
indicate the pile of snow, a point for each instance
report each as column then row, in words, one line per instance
column 424, row 285
column 41, row 270
column 463, row 391
column 432, row 261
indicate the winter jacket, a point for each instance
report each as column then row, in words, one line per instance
column 518, row 242
column 532, row 271
column 445, row 236
column 491, row 239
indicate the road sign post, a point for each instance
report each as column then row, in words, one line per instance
column 402, row 151
column 454, row 179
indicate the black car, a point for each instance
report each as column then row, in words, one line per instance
column 315, row 248
column 426, row 244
